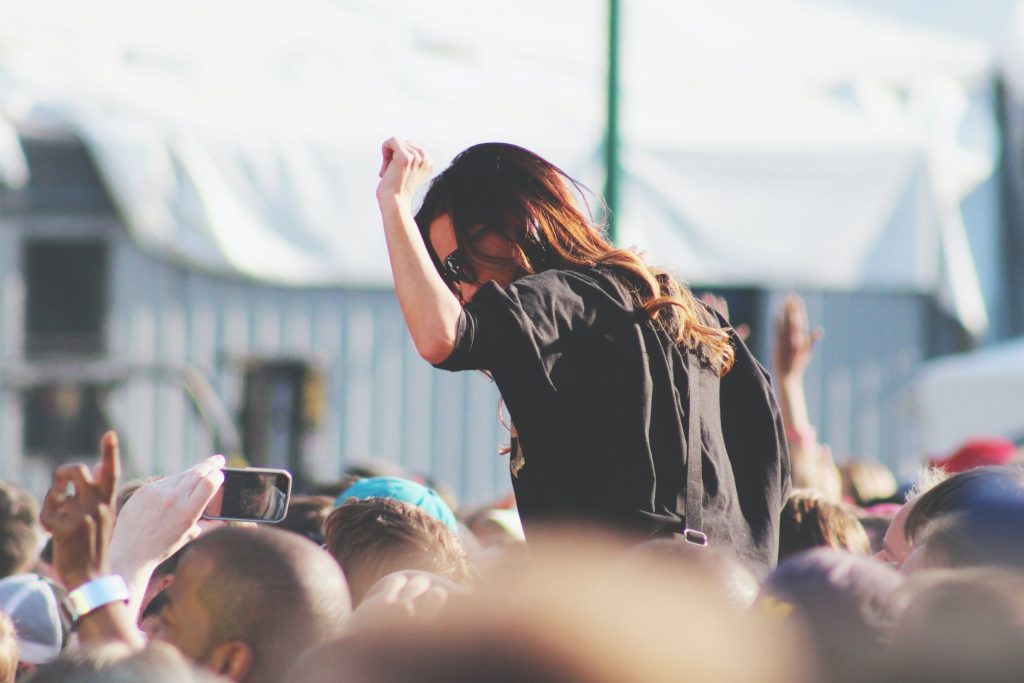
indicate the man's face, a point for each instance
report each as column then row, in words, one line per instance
column 895, row 548
column 184, row 621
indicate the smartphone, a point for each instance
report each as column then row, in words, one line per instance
column 251, row 494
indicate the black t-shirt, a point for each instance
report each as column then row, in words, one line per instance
column 598, row 396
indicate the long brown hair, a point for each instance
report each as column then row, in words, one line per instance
column 498, row 187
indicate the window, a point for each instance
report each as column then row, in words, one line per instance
column 66, row 297
column 65, row 317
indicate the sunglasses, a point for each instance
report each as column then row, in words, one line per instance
column 456, row 270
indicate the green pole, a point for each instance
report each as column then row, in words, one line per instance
column 611, row 143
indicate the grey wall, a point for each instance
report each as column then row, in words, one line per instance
column 383, row 400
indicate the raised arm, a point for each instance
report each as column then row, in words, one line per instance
column 794, row 344
column 158, row 520
column 812, row 465
column 430, row 309
column 79, row 511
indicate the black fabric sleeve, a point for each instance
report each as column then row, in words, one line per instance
column 490, row 326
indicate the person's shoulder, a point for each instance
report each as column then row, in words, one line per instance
column 584, row 282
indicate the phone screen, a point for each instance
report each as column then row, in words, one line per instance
column 251, row 494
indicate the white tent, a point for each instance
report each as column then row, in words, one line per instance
column 782, row 143
column 978, row 394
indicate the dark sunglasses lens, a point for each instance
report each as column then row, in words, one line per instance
column 456, row 270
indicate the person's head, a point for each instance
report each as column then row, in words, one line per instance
column 8, row 650
column 811, row 521
column 374, row 537
column 500, row 212
column 986, row 531
column 730, row 579
column 959, row 493
column 19, row 530
column 958, row 625
column 442, row 489
column 32, row 603
column 896, row 547
column 842, row 600
column 404, row 490
column 117, row 663
column 866, row 481
column 565, row 618
column 245, row 602
column 496, row 527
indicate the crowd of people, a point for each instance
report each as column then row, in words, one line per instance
column 618, row 558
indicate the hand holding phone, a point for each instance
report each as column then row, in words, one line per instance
column 251, row 494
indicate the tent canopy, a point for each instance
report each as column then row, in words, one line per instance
column 783, row 143
column 978, row 394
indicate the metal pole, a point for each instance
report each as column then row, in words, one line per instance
column 611, row 143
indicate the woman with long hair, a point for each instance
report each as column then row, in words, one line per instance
column 611, row 370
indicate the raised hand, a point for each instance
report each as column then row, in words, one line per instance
column 78, row 511
column 794, row 344
column 404, row 168
column 408, row 595
column 160, row 518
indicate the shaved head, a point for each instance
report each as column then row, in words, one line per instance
column 273, row 590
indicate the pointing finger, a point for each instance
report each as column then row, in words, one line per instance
column 109, row 470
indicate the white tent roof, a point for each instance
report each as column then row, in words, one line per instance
column 978, row 394
column 778, row 143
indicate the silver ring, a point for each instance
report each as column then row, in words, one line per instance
column 67, row 492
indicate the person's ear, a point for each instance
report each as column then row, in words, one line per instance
column 163, row 583
column 232, row 659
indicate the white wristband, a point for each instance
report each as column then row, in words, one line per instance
column 95, row 594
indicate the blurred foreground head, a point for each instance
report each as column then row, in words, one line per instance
column 573, row 613
column 958, row 625
column 730, row 579
column 843, row 602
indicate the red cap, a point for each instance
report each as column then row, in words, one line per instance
column 977, row 453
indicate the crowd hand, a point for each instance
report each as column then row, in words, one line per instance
column 409, row 595
column 78, row 511
column 794, row 344
column 719, row 304
column 159, row 519
column 404, row 168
